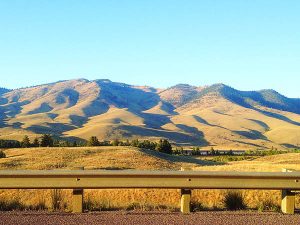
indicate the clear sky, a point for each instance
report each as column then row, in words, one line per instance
column 246, row 44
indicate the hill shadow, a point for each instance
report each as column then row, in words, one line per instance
column 290, row 146
column 179, row 138
column 264, row 125
column 97, row 107
column 151, row 120
column 278, row 116
column 252, row 134
column 246, row 143
column 78, row 121
column 237, row 99
column 191, row 130
column 69, row 96
column 201, row 120
column 43, row 108
column 51, row 128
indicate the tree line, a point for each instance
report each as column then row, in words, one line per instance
column 46, row 140
column 163, row 145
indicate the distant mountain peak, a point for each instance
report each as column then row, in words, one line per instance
column 182, row 86
column 103, row 81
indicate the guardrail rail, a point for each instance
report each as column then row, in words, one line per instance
column 186, row 181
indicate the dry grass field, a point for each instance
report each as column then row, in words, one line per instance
column 133, row 158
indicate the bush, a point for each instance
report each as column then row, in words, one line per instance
column 234, row 200
column 2, row 154
column 56, row 200
column 197, row 206
column 14, row 204
column 97, row 205
column 268, row 205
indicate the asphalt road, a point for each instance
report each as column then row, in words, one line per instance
column 133, row 218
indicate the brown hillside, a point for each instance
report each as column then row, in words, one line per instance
column 216, row 115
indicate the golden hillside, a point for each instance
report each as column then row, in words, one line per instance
column 215, row 115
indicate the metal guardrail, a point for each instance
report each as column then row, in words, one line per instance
column 184, row 180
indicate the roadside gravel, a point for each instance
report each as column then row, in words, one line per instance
column 133, row 218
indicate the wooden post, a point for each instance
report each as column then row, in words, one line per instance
column 185, row 201
column 287, row 199
column 78, row 197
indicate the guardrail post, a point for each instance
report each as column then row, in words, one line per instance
column 77, row 197
column 287, row 199
column 185, row 201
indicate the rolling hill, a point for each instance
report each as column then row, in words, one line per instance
column 216, row 115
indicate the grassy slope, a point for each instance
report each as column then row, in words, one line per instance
column 94, row 158
column 273, row 163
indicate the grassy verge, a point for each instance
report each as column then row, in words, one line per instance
column 140, row 199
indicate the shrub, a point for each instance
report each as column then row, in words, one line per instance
column 14, row 204
column 2, row 154
column 197, row 206
column 234, row 200
column 268, row 205
column 97, row 205
column 56, row 200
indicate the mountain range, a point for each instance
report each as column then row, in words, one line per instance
column 216, row 115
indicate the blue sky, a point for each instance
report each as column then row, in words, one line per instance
column 246, row 44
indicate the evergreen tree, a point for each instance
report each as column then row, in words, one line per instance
column 25, row 142
column 93, row 141
column 74, row 144
column 164, row 146
column 36, row 142
column 9, row 144
column 212, row 151
column 47, row 141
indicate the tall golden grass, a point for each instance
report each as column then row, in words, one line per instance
column 132, row 158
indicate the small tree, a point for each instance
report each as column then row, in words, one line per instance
column 135, row 143
column 164, row 146
column 212, row 151
column 74, row 144
column 25, row 142
column 47, row 141
column 36, row 142
column 115, row 142
column 93, row 141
